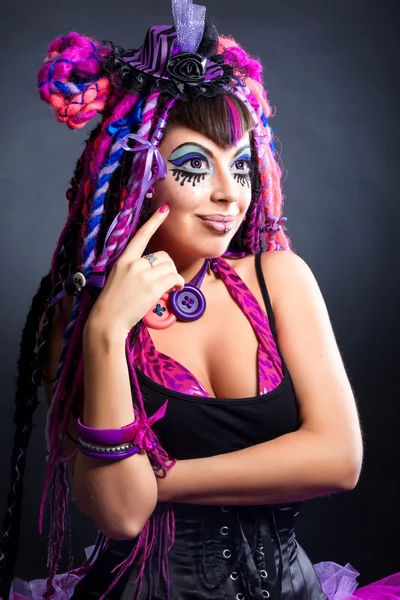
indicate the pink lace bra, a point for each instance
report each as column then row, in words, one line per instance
column 169, row 373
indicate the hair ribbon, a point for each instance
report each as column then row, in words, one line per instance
column 189, row 22
column 152, row 153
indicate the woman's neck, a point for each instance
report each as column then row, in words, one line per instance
column 187, row 266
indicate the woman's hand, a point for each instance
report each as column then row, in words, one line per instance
column 133, row 286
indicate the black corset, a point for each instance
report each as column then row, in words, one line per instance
column 220, row 553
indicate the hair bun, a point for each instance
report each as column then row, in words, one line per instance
column 236, row 56
column 73, row 80
column 248, row 69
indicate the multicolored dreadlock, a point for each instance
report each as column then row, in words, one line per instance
column 80, row 79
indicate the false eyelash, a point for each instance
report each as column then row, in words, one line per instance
column 192, row 178
column 242, row 179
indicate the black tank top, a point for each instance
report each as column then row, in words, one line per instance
column 195, row 427
column 233, row 552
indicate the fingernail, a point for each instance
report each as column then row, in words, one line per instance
column 164, row 208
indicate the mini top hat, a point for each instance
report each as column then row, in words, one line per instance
column 174, row 59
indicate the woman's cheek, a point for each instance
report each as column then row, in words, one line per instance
column 167, row 191
column 189, row 196
column 186, row 196
column 245, row 199
column 198, row 193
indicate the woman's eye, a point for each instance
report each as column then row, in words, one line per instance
column 196, row 163
column 242, row 165
column 191, row 162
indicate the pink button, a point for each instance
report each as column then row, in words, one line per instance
column 159, row 316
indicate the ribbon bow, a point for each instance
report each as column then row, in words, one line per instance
column 143, row 436
column 152, row 152
column 275, row 224
column 133, row 119
column 92, row 283
column 261, row 144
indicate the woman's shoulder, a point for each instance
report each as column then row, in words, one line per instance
column 289, row 278
column 279, row 268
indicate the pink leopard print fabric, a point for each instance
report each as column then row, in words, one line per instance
column 171, row 374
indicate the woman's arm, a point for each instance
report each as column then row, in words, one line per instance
column 325, row 454
column 293, row 467
column 118, row 496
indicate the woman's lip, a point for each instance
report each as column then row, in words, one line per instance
column 220, row 226
column 218, row 218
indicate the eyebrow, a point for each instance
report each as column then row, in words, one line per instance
column 207, row 151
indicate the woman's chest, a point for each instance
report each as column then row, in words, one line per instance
column 220, row 350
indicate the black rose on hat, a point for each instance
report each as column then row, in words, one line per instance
column 187, row 67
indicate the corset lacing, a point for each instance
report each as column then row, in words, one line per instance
column 251, row 563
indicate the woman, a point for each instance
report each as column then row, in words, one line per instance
column 196, row 392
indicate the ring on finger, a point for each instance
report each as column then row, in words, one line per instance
column 151, row 258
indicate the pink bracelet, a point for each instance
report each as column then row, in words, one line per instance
column 138, row 432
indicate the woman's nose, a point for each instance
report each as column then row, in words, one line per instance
column 225, row 189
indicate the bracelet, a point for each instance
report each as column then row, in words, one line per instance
column 111, row 437
column 139, row 433
column 108, row 452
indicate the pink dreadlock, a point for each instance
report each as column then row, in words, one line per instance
column 74, row 82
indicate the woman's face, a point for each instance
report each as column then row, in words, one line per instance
column 204, row 182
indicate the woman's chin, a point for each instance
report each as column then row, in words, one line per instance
column 201, row 245
column 213, row 248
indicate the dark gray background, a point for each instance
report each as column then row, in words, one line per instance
column 331, row 70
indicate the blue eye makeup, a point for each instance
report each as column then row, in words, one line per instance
column 194, row 159
column 241, row 168
column 242, row 163
column 190, row 165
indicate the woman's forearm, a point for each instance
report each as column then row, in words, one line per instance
column 293, row 467
column 118, row 496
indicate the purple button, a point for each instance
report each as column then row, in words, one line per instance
column 188, row 304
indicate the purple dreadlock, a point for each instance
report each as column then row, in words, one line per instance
column 81, row 78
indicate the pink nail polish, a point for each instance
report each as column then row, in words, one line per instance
column 164, row 208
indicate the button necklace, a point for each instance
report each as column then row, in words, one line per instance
column 186, row 305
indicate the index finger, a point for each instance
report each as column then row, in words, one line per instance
column 140, row 240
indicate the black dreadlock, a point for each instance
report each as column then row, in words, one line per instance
column 30, row 376
column 26, row 402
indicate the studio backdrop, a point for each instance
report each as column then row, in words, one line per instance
column 331, row 72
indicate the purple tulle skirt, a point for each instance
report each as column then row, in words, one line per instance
column 338, row 583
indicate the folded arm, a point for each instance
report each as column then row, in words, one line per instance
column 293, row 467
column 325, row 454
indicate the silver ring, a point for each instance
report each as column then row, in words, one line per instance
column 151, row 258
